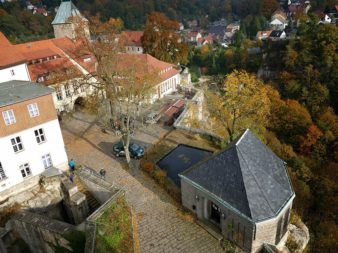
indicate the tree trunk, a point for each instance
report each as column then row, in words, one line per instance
column 233, row 126
column 127, row 139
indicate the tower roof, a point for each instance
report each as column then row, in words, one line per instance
column 66, row 10
column 248, row 176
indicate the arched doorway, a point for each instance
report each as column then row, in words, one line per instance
column 79, row 104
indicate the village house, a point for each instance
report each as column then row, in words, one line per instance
column 277, row 35
column 230, row 31
column 193, row 37
column 41, row 11
column 242, row 192
column 298, row 8
column 279, row 20
column 263, row 35
column 132, row 41
column 205, row 40
column 67, row 19
column 30, row 136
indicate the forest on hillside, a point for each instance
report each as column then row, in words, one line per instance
column 21, row 25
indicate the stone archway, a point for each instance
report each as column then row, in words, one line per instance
column 79, row 104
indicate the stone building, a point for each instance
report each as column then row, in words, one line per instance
column 67, row 20
column 243, row 192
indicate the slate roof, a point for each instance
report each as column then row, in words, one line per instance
column 13, row 92
column 276, row 34
column 66, row 10
column 247, row 176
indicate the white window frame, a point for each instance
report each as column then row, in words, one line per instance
column 40, row 135
column 2, row 173
column 58, row 92
column 25, row 170
column 17, row 144
column 9, row 117
column 47, row 161
column 67, row 90
column 33, row 110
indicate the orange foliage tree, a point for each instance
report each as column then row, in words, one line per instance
column 161, row 40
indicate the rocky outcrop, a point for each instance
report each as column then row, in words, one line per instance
column 299, row 237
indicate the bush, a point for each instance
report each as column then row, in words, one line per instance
column 160, row 176
column 148, row 167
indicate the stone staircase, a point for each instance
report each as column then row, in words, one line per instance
column 93, row 204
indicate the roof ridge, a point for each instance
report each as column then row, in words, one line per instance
column 259, row 187
column 246, row 195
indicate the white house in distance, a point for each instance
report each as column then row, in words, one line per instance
column 30, row 136
column 279, row 20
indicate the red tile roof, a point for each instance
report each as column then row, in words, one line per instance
column 9, row 56
column 54, row 61
column 77, row 51
column 146, row 63
column 133, row 38
column 38, row 49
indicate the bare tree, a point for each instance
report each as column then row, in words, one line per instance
column 122, row 80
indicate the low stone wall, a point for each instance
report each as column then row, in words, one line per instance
column 179, row 123
column 43, row 235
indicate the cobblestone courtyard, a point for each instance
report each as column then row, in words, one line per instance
column 160, row 227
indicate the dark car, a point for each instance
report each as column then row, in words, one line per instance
column 136, row 151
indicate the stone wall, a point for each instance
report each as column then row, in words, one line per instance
column 266, row 230
column 64, row 30
column 43, row 235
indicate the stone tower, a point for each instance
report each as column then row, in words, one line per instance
column 67, row 18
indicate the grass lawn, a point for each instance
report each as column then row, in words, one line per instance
column 114, row 229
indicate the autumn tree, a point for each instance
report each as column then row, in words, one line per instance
column 268, row 7
column 162, row 41
column 241, row 103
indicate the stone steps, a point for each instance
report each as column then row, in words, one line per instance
column 93, row 204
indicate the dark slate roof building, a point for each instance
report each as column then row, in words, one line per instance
column 247, row 182
column 248, row 176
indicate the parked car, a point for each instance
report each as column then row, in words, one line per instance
column 135, row 150
column 153, row 118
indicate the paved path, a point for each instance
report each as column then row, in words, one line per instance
column 160, row 227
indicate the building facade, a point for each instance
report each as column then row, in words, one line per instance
column 243, row 192
column 30, row 136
